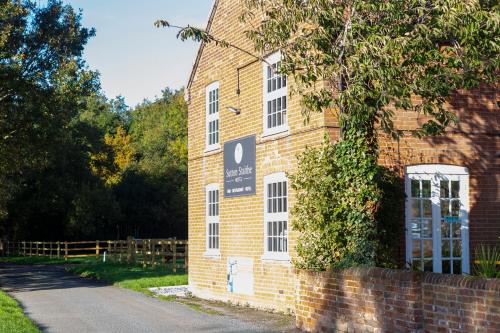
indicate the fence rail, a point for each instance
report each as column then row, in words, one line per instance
column 148, row 252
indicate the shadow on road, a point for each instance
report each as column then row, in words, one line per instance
column 25, row 278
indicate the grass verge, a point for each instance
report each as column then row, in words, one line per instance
column 132, row 277
column 44, row 260
column 12, row 317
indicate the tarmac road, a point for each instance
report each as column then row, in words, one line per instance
column 61, row 302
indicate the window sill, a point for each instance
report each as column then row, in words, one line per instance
column 275, row 133
column 211, row 254
column 212, row 150
column 276, row 257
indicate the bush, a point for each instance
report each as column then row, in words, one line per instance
column 340, row 191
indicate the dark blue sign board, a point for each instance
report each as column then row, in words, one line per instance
column 239, row 167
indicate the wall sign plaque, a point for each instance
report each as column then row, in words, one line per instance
column 239, row 167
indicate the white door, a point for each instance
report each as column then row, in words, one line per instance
column 437, row 230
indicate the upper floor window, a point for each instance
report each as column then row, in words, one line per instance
column 212, row 116
column 212, row 218
column 276, row 216
column 275, row 96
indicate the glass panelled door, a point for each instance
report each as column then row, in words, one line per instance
column 437, row 218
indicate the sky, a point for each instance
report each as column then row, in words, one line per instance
column 136, row 59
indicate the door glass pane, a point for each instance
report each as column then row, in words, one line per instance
column 426, row 188
column 444, row 190
column 455, row 188
column 445, row 248
column 457, row 248
column 445, row 229
column 427, row 208
column 415, row 229
column 457, row 266
column 415, row 188
column 455, row 208
column 428, row 266
column 415, row 208
column 446, row 267
column 456, row 229
column 416, row 249
column 428, row 248
column 427, row 228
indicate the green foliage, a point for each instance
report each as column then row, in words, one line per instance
column 73, row 164
column 369, row 56
column 337, row 198
column 348, row 208
column 12, row 317
column 488, row 261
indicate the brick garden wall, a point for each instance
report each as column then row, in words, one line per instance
column 384, row 300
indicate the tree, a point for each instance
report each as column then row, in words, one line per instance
column 365, row 60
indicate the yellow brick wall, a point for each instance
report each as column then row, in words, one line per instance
column 241, row 219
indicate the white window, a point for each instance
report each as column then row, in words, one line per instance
column 276, row 217
column 212, row 219
column 212, row 116
column 437, row 208
column 275, row 96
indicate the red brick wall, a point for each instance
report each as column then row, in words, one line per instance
column 384, row 300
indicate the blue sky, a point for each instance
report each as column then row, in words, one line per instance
column 136, row 59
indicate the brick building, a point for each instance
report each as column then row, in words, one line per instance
column 245, row 131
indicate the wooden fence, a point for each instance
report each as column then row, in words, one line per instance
column 147, row 252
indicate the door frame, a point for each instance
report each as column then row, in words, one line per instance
column 435, row 172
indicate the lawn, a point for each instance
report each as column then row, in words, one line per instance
column 44, row 260
column 130, row 276
column 12, row 318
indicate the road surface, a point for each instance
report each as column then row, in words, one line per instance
column 61, row 302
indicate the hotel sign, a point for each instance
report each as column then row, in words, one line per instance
column 239, row 167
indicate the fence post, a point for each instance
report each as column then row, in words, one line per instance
column 153, row 254
column 65, row 250
column 174, row 259
column 186, row 257
column 58, row 249
column 129, row 249
column 97, row 249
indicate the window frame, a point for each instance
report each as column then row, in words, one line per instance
column 211, row 252
column 435, row 173
column 282, row 216
column 269, row 96
column 212, row 117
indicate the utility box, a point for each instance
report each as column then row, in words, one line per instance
column 240, row 275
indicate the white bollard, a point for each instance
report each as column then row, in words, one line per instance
column 104, row 257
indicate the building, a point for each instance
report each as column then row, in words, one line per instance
column 244, row 134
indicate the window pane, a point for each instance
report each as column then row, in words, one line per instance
column 444, row 191
column 446, row 267
column 415, row 188
column 427, row 265
column 457, row 248
column 416, row 249
column 415, row 208
column 445, row 248
column 426, row 188
column 415, row 229
column 427, row 208
column 455, row 208
column 455, row 188
column 445, row 208
column 445, row 229
column 427, row 228
column 428, row 248
column 457, row 266
column 456, row 229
